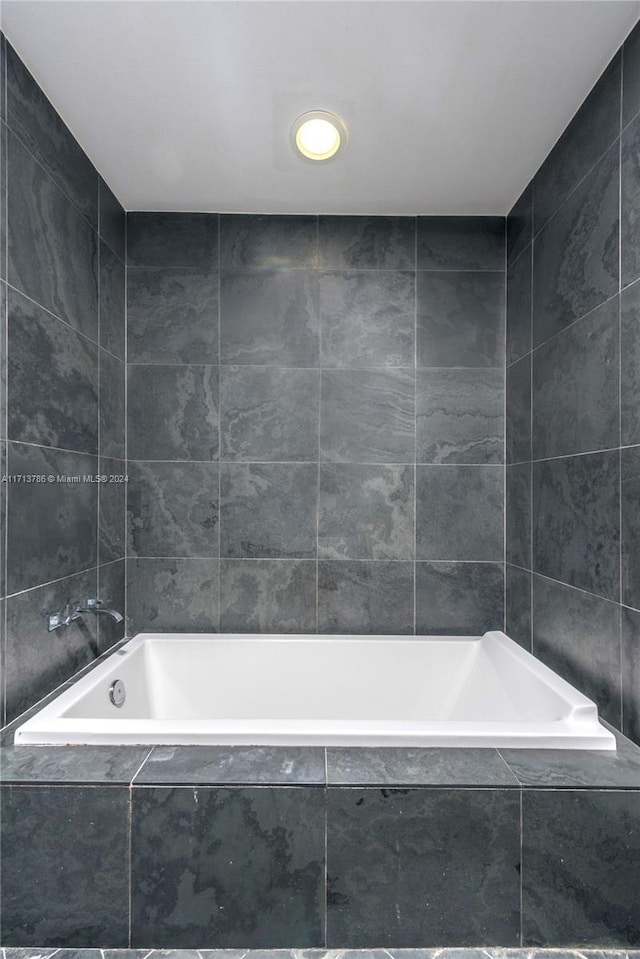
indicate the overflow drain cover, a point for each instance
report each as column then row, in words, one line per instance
column 117, row 693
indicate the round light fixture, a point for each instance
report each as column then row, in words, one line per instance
column 318, row 135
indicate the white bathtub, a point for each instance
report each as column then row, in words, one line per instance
column 322, row 690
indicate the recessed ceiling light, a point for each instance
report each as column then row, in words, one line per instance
column 318, row 135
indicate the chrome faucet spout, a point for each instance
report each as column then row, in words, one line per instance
column 112, row 613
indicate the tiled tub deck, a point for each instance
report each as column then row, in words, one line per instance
column 291, row 847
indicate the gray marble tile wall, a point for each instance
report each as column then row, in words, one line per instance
column 315, row 423
column 62, row 344
column 573, row 401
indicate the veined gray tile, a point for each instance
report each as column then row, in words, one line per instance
column 267, row 596
column 112, row 302
column 173, row 412
column 112, row 220
column 575, row 387
column 630, row 493
column 631, row 76
column 575, row 261
column 630, row 364
column 250, row 765
column 394, row 766
column 252, row 240
column 173, row 509
column 172, row 315
column 630, row 200
column 269, row 318
column 365, row 597
column 52, row 380
column 459, row 513
column 578, row 635
column 631, row 674
column 172, row 595
column 520, row 224
column 173, row 239
column 45, row 234
column 111, row 511
column 576, row 528
column 367, row 242
column 465, row 599
column 365, row 512
column 268, row 510
column 367, row 416
column 70, row 764
column 111, row 590
column 367, row 319
column 518, row 546
column 518, row 606
column 519, row 279
column 519, row 411
column 269, row 414
column 461, row 319
column 112, row 405
column 460, row 416
column 461, row 242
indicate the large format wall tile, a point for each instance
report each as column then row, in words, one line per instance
column 575, row 263
column 578, row 635
column 269, row 414
column 172, row 239
column 236, row 867
column 631, row 76
column 464, row 599
column 581, row 856
column 172, row 595
column 367, row 416
column 65, row 855
column 518, row 518
column 460, row 319
column 60, row 536
column 518, row 606
column 460, row 416
column 112, row 405
column 520, row 224
column 268, row 242
column 518, row 418
column 576, row 532
column 423, row 867
column 365, row 597
column 112, row 302
column 630, row 493
column 45, row 234
column 630, row 201
column 269, row 318
column 459, row 513
column 172, row 412
column 111, row 590
column 365, row 512
column 172, row 315
column 461, row 243
column 367, row 242
column 631, row 674
column 112, row 220
column 52, row 380
column 268, row 510
column 367, row 319
column 111, row 511
column 267, row 596
column 173, row 509
column 630, row 365
column 575, row 387
column 33, row 119
column 519, row 279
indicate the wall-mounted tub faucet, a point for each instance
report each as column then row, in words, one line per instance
column 74, row 610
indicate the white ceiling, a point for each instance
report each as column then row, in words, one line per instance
column 450, row 106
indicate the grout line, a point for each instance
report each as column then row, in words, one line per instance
column 521, row 864
column 52, row 582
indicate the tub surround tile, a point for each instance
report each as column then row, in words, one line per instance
column 268, row 510
column 172, row 314
column 112, row 522
column 631, row 673
column 52, row 380
column 173, row 412
column 630, row 201
column 112, row 302
column 65, row 852
column 240, row 867
column 630, row 492
column 112, row 220
column 367, row 242
column 269, row 414
column 520, row 224
column 518, row 504
column 233, row 765
column 575, row 264
column 367, row 319
column 580, row 868
column 269, row 318
column 365, row 597
column 576, row 531
column 172, row 595
column 60, row 537
column 46, row 233
column 460, row 319
column 111, row 590
column 519, row 280
column 398, row 766
column 107, row 765
column 31, row 116
column 461, row 243
column 459, row 598
column 267, row 596
column 112, row 405
column 254, row 241
column 577, row 634
column 576, row 388
column 460, row 416
column 172, row 239
column 577, row 768
column 518, row 606
column 518, row 418
column 631, row 76
column 630, row 365
column 367, row 416
column 450, row 859
column 172, row 509
column 459, row 513
column 365, row 512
